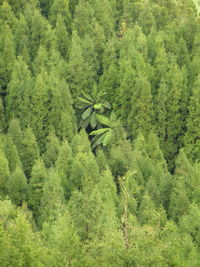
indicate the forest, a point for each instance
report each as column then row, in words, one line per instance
column 99, row 133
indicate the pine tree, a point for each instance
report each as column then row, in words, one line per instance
column 148, row 214
column 28, row 151
column 141, row 118
column 60, row 7
column 4, row 173
column 22, row 38
column 61, row 118
column 7, row 17
column 39, row 108
column 96, row 223
column 189, row 223
column 63, row 165
column 7, row 56
column 42, row 33
column 83, row 15
column 45, row 7
column 51, row 206
column 26, row 246
column 52, row 150
column 61, row 236
column 191, row 139
column 17, row 186
column 11, row 154
column 63, row 39
column 19, row 92
column 175, row 107
column 36, row 187
column 2, row 117
column 80, row 74
column 15, row 133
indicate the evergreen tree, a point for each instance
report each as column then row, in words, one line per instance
column 60, row 7
column 36, row 187
column 61, row 117
column 22, row 38
column 42, row 33
column 7, row 56
column 63, row 39
column 4, row 173
column 17, row 186
column 2, row 117
column 80, row 74
column 28, row 151
column 39, row 108
column 50, row 207
column 52, row 150
column 175, row 123
column 192, row 135
column 141, row 119
column 63, row 165
column 19, row 92
column 11, row 154
column 61, row 236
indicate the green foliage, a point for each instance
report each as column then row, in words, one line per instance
column 112, row 133
column 99, row 133
column 7, row 56
column 17, row 186
column 19, row 92
column 4, row 173
column 50, row 207
column 2, row 117
column 91, row 106
column 36, row 186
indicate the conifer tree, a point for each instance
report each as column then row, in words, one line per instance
column 17, row 186
column 26, row 245
column 7, row 17
column 61, row 236
column 41, row 61
column 2, row 117
column 50, row 207
column 182, row 250
column 60, row 7
column 61, row 118
column 15, row 133
column 141, row 118
column 4, row 173
column 41, row 32
column 7, row 56
column 80, row 73
column 28, row 151
column 36, row 186
column 105, row 15
column 19, row 92
column 189, row 223
column 92, row 223
column 45, row 7
column 175, row 104
column 63, row 165
column 63, row 39
column 11, row 154
column 148, row 214
column 191, row 139
column 52, row 150
column 83, row 16
column 22, row 38
column 39, row 108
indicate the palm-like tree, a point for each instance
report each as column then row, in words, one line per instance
column 91, row 106
column 106, row 135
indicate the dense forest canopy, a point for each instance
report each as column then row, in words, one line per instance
column 99, row 133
